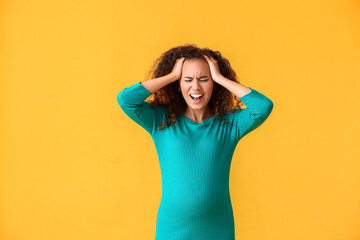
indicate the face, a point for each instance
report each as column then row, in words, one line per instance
column 196, row 79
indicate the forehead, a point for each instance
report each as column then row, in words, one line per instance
column 196, row 66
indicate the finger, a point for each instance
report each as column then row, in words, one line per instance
column 207, row 58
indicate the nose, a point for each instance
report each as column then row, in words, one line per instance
column 196, row 82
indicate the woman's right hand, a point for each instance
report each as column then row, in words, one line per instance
column 177, row 69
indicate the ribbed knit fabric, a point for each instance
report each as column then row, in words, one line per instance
column 195, row 161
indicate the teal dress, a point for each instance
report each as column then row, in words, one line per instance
column 195, row 161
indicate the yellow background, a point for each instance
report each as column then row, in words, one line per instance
column 74, row 166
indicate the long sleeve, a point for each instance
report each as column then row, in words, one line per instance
column 132, row 101
column 258, row 109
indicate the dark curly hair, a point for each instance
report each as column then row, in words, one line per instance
column 221, row 101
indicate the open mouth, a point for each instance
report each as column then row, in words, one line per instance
column 196, row 97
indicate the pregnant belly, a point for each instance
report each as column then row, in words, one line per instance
column 196, row 202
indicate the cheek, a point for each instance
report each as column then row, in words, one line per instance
column 182, row 86
column 209, row 89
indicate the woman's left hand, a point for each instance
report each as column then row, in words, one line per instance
column 214, row 68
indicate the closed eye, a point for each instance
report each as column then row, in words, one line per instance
column 201, row 78
column 191, row 80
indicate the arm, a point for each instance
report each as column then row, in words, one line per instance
column 155, row 84
column 258, row 106
column 132, row 101
column 258, row 109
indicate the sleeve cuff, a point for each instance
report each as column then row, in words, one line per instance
column 135, row 93
column 253, row 99
column 139, row 85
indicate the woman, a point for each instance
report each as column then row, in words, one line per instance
column 195, row 122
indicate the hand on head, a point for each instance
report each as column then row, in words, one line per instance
column 177, row 69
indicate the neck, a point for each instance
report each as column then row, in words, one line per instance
column 198, row 115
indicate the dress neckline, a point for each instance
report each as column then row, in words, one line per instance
column 195, row 123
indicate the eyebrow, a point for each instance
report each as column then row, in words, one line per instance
column 200, row 77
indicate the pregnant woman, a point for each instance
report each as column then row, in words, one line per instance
column 195, row 121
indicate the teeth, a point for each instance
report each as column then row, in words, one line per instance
column 196, row 95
